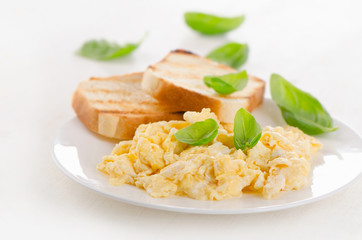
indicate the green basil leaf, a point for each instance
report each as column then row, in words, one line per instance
column 228, row 83
column 232, row 54
column 105, row 50
column 198, row 133
column 300, row 109
column 247, row 131
column 210, row 24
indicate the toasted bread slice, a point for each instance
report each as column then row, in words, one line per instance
column 114, row 107
column 177, row 81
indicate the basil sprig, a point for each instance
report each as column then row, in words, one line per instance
column 247, row 131
column 210, row 24
column 198, row 133
column 232, row 54
column 300, row 109
column 227, row 84
column 105, row 50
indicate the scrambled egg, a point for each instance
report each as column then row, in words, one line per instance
column 156, row 162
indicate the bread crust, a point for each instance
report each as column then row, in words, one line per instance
column 85, row 112
column 258, row 97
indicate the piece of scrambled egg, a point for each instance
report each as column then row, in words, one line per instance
column 155, row 161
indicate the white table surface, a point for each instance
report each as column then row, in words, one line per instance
column 316, row 45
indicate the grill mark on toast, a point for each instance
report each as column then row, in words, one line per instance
column 152, row 67
column 125, row 102
column 139, row 113
column 112, row 91
column 184, row 52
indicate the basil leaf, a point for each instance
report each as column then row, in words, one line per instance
column 210, row 24
column 228, row 83
column 232, row 54
column 198, row 133
column 247, row 131
column 300, row 109
column 105, row 50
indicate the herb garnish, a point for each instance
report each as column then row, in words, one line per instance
column 247, row 131
column 105, row 50
column 198, row 133
column 227, row 84
column 232, row 54
column 300, row 109
column 210, row 24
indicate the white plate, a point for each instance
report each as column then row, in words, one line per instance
column 77, row 151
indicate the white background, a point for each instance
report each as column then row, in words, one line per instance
column 315, row 44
